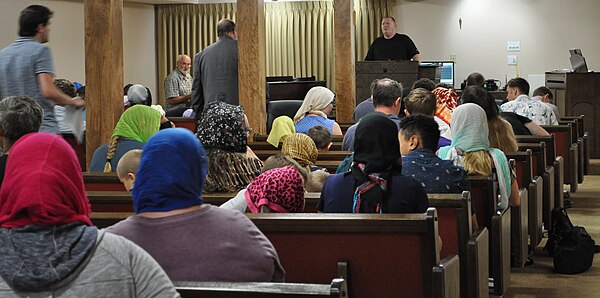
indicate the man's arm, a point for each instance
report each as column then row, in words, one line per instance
column 197, row 92
column 416, row 57
column 49, row 90
column 179, row 99
column 172, row 92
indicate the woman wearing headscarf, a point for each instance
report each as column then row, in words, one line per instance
column 375, row 183
column 282, row 127
column 278, row 190
column 136, row 125
column 446, row 102
column 470, row 149
column 302, row 149
column 501, row 133
column 190, row 240
column 315, row 108
column 223, row 131
column 48, row 246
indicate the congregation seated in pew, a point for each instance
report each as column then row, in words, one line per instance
column 192, row 241
column 316, row 107
column 19, row 115
column 223, row 130
column 471, row 149
column 136, row 125
column 374, row 180
column 54, row 248
column 238, row 202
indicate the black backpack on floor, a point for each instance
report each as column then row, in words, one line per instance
column 571, row 246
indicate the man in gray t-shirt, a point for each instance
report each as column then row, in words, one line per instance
column 26, row 66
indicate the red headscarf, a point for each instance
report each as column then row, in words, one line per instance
column 43, row 184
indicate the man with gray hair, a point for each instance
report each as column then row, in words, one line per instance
column 19, row 115
column 178, row 87
column 26, row 67
column 216, row 70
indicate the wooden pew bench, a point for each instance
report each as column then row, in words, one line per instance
column 569, row 152
column 264, row 145
column 188, row 123
column 484, row 196
column 546, row 172
column 263, row 138
column 188, row 289
column 102, row 182
column 456, row 230
column 323, row 156
column 388, row 255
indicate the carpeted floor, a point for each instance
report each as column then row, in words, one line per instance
column 539, row 279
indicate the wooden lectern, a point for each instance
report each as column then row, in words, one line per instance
column 405, row 72
column 577, row 93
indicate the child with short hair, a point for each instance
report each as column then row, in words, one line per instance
column 127, row 168
column 321, row 136
column 316, row 181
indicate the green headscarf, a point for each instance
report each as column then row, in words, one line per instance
column 138, row 123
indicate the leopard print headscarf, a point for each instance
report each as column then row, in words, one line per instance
column 279, row 189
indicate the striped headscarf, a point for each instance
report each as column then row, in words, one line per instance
column 301, row 148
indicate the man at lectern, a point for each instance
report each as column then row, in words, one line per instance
column 392, row 46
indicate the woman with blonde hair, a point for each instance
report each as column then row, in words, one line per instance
column 470, row 149
column 136, row 125
column 501, row 134
column 315, row 108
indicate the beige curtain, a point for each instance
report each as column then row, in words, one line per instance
column 185, row 29
column 299, row 35
column 368, row 15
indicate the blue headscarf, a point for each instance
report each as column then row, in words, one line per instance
column 172, row 172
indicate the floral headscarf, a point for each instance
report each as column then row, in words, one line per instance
column 222, row 126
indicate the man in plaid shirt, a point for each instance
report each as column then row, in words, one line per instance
column 178, row 87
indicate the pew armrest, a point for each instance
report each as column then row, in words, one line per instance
column 478, row 263
column 188, row 289
column 520, row 230
column 446, row 278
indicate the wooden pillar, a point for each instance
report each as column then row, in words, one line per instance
column 103, row 70
column 252, row 65
column 345, row 85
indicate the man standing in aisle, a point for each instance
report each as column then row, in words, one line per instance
column 26, row 67
column 392, row 46
column 216, row 70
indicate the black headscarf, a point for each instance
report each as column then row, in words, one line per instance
column 222, row 127
column 376, row 156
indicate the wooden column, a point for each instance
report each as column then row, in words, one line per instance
column 103, row 70
column 252, row 65
column 345, row 85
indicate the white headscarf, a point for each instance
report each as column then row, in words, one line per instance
column 317, row 99
column 470, row 133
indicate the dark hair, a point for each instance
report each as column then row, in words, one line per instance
column 373, row 85
column 126, row 89
column 19, row 115
column 475, row 79
column 31, row 17
column 543, row 90
column 424, row 83
column 481, row 97
column 519, row 83
column 424, row 127
column 66, row 87
column 420, row 101
column 149, row 98
column 225, row 26
column 386, row 91
column 320, row 135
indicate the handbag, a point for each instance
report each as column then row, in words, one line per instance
column 571, row 247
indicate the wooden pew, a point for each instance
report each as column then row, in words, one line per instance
column 521, row 162
column 388, row 254
column 568, row 150
column 577, row 135
column 102, row 182
column 484, row 196
column 455, row 228
column 263, row 138
column 325, row 155
column 263, row 145
column 542, row 169
column 183, row 122
column 188, row 289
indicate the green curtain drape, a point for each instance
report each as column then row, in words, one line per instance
column 299, row 35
